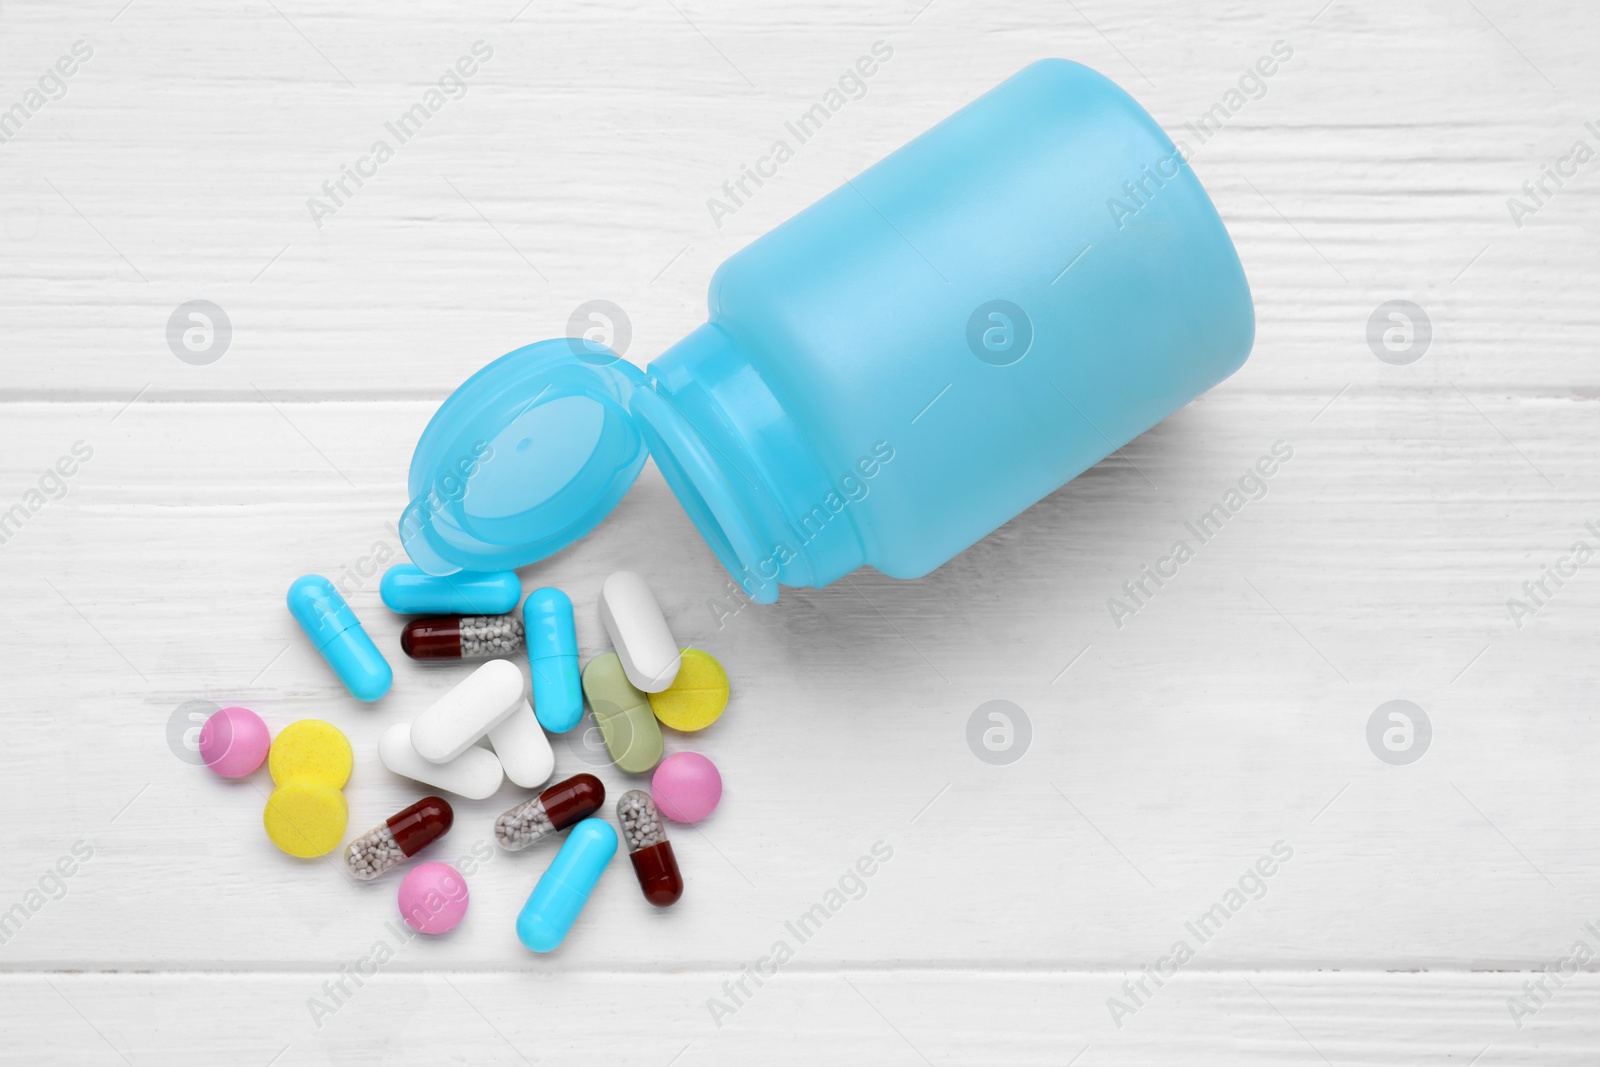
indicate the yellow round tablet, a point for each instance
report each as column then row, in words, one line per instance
column 696, row 697
column 310, row 749
column 306, row 818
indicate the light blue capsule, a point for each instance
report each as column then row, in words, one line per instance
column 337, row 633
column 552, row 642
column 564, row 889
column 406, row 590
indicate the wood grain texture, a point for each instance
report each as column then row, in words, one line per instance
column 1170, row 750
column 852, row 1016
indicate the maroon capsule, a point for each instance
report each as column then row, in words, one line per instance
column 645, row 834
column 462, row 637
column 557, row 808
column 402, row 836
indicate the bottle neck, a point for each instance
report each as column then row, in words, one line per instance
column 734, row 457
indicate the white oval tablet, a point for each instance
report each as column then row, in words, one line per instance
column 638, row 630
column 468, row 712
column 475, row 774
column 523, row 748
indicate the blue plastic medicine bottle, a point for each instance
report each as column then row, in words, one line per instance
column 888, row 376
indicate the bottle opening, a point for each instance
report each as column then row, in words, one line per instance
column 705, row 487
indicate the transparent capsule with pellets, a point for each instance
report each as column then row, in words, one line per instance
column 400, row 837
column 567, row 802
column 648, row 848
column 454, row 637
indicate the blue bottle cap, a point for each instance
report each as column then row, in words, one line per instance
column 527, row 456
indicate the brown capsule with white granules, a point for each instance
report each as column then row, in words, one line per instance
column 567, row 802
column 453, row 637
column 401, row 836
column 649, row 849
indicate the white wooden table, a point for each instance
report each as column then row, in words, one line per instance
column 1227, row 716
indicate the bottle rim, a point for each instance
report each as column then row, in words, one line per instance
column 705, row 487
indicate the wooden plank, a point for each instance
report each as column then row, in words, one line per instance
column 1369, row 169
column 795, row 1016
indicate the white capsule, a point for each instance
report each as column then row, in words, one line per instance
column 469, row 711
column 475, row 774
column 638, row 630
column 523, row 748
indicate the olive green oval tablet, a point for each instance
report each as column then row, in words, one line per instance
column 627, row 725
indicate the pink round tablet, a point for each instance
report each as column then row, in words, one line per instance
column 234, row 741
column 686, row 787
column 433, row 898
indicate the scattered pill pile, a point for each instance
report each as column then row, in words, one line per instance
column 486, row 729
